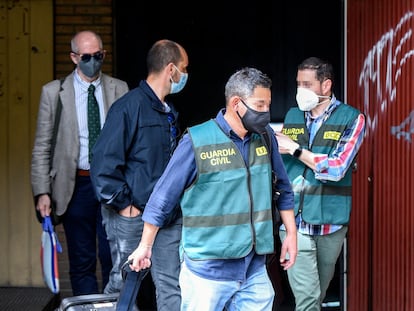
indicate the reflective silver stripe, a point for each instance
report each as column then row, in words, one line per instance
column 226, row 220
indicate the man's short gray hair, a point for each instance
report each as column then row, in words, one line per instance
column 243, row 82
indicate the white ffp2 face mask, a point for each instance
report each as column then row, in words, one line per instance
column 307, row 99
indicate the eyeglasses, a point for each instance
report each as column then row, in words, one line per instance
column 98, row 56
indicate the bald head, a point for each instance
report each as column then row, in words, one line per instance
column 86, row 39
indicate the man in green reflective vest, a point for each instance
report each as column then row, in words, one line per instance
column 221, row 173
column 319, row 142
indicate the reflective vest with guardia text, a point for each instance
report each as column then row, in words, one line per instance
column 227, row 210
column 320, row 202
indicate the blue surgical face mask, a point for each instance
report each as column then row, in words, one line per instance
column 178, row 86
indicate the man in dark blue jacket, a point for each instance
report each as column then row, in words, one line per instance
column 130, row 155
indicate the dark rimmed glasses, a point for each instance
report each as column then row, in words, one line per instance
column 98, row 56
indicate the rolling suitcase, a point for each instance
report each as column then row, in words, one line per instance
column 123, row 301
column 95, row 302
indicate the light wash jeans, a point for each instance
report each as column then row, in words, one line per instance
column 314, row 268
column 255, row 293
column 124, row 234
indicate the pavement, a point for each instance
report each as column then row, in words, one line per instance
column 42, row 299
column 27, row 298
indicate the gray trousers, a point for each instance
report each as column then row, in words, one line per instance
column 124, row 234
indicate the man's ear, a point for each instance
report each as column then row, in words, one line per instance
column 327, row 86
column 74, row 58
column 171, row 68
column 233, row 103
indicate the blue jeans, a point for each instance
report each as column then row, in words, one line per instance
column 314, row 268
column 255, row 293
column 83, row 227
column 124, row 234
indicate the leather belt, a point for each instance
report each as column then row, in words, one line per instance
column 82, row 172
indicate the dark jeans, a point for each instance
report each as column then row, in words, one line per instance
column 83, row 229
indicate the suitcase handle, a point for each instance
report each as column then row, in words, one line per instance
column 129, row 291
column 125, row 269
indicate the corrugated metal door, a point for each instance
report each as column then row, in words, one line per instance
column 380, row 60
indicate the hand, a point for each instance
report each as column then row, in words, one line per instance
column 289, row 251
column 140, row 258
column 44, row 205
column 286, row 144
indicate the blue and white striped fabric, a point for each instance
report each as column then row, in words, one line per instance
column 48, row 255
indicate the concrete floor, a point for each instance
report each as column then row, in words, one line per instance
column 41, row 299
column 25, row 298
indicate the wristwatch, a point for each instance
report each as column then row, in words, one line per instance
column 297, row 152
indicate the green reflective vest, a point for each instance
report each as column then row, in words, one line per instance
column 320, row 202
column 227, row 210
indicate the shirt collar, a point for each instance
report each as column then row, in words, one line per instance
column 222, row 122
column 83, row 84
column 333, row 104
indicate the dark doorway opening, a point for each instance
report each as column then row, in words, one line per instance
column 274, row 36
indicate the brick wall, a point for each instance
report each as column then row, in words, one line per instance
column 70, row 17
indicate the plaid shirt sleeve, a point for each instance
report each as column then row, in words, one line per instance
column 333, row 168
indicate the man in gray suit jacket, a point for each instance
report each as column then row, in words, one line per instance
column 60, row 165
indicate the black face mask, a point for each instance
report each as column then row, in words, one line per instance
column 255, row 121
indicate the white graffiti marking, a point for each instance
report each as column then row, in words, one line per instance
column 405, row 129
column 381, row 72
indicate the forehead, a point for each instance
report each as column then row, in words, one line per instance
column 262, row 93
column 88, row 44
column 184, row 56
column 306, row 75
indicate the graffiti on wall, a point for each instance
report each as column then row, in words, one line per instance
column 381, row 73
column 405, row 129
